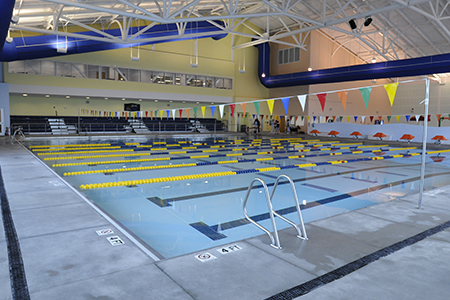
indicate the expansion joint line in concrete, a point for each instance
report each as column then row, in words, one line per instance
column 19, row 286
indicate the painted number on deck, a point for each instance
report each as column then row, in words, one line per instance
column 115, row 240
column 228, row 249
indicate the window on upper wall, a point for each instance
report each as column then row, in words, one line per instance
column 289, row 55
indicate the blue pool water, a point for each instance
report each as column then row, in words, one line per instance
column 179, row 217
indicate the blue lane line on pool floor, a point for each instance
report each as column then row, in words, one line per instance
column 288, row 210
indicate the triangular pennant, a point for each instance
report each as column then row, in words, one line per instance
column 389, row 118
column 314, row 118
column 203, row 111
column 302, row 100
column 438, row 116
column 356, row 118
column 348, row 119
column 343, row 97
column 363, row 118
column 181, row 112
column 365, row 92
column 213, row 110
column 195, row 112
column 391, row 90
column 379, row 118
column 151, row 114
column 417, row 118
column 307, row 118
column 173, row 114
column 407, row 118
column 256, row 103
column 232, row 108
column 285, row 104
column 398, row 118
column 168, row 114
column 322, row 98
column 270, row 104
column 371, row 119
column 221, row 107
column 187, row 113
column 244, row 107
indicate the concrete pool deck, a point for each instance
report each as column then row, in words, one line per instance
column 64, row 257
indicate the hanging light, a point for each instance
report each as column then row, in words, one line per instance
column 309, row 69
column 263, row 75
column 374, row 60
column 368, row 21
column 352, row 24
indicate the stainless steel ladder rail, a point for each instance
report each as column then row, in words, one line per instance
column 297, row 205
column 275, row 241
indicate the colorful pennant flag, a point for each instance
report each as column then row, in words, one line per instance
column 389, row 118
column 285, row 104
column 407, row 118
column 343, row 97
column 270, row 104
column 213, row 110
column 195, row 112
column 322, row 99
column 232, row 108
column 256, row 103
column 173, row 114
column 203, row 111
column 302, row 100
column 356, row 118
column 244, row 107
column 398, row 118
column 221, row 107
column 187, row 113
column 391, row 90
column 365, row 92
column 181, row 112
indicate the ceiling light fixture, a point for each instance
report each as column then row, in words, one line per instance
column 374, row 60
column 368, row 21
column 352, row 24
column 309, row 69
column 47, row 96
column 25, row 95
column 67, row 97
column 263, row 75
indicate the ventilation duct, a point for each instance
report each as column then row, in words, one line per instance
column 399, row 68
column 50, row 45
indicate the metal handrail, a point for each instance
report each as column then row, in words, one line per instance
column 275, row 241
column 297, row 205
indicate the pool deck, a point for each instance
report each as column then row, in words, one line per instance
column 64, row 257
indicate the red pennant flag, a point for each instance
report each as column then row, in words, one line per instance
column 232, row 109
column 146, row 114
column 371, row 118
column 322, row 99
column 181, row 111
column 326, row 119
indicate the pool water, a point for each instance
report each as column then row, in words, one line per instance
column 176, row 217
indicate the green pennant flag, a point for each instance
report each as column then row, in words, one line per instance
column 340, row 118
column 195, row 112
column 256, row 107
column 389, row 118
column 365, row 92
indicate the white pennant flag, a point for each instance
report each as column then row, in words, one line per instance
column 221, row 107
column 363, row 118
column 173, row 114
column 417, row 118
column 302, row 100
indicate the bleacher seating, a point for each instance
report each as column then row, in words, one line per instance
column 88, row 124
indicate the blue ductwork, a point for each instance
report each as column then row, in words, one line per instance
column 46, row 45
column 398, row 68
column 6, row 12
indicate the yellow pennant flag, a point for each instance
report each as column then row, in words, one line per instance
column 203, row 110
column 161, row 114
column 270, row 104
column 398, row 118
column 391, row 90
column 348, row 118
column 307, row 118
column 343, row 97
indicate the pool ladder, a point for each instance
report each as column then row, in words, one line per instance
column 275, row 241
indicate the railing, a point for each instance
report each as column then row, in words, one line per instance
column 275, row 241
column 103, row 128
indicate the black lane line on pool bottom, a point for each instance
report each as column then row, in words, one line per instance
column 19, row 287
column 315, row 283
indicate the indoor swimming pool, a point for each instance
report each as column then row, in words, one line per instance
column 183, row 194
